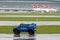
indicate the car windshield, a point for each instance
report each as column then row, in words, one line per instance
column 22, row 25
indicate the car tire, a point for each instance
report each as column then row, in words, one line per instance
column 16, row 31
column 31, row 32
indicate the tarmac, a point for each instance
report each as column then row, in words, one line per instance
column 28, row 16
column 15, row 23
column 26, row 37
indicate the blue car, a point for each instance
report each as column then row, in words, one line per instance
column 30, row 28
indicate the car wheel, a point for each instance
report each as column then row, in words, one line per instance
column 31, row 32
column 16, row 31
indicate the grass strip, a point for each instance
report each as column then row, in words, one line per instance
column 45, row 29
column 29, row 19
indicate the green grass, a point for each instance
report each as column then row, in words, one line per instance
column 50, row 29
column 29, row 19
column 6, row 29
column 29, row 13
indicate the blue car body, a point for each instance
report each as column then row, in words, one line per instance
column 26, row 27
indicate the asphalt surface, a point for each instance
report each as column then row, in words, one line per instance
column 26, row 37
column 15, row 23
column 26, row 16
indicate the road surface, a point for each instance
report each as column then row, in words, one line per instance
column 26, row 37
column 26, row 16
column 15, row 23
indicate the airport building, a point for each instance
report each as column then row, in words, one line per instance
column 16, row 5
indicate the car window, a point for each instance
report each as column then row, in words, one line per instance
column 22, row 25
